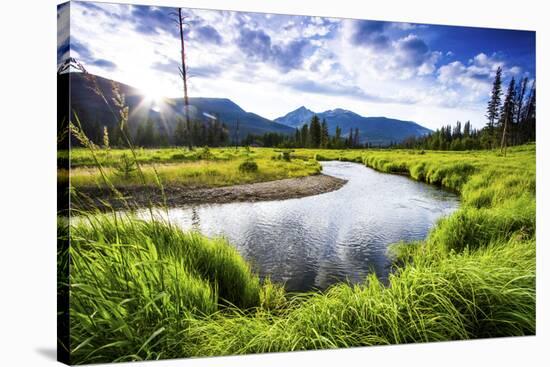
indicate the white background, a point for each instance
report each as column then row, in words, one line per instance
column 28, row 182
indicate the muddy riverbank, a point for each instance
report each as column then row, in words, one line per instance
column 142, row 196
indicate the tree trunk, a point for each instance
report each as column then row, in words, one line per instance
column 503, row 140
column 184, row 77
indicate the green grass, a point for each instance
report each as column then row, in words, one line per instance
column 488, row 293
column 109, row 157
column 497, row 193
column 135, row 284
column 200, row 168
column 145, row 290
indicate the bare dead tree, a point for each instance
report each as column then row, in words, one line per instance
column 180, row 20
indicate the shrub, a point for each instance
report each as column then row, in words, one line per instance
column 285, row 156
column 178, row 157
column 272, row 296
column 205, row 153
column 126, row 167
column 319, row 157
column 248, row 166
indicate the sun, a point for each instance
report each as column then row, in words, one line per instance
column 153, row 96
column 155, row 101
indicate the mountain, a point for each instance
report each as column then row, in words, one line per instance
column 229, row 112
column 93, row 109
column 375, row 130
column 296, row 118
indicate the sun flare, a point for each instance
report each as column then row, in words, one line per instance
column 153, row 96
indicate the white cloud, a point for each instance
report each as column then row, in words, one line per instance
column 473, row 81
column 402, row 80
column 515, row 70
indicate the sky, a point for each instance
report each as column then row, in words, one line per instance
column 272, row 64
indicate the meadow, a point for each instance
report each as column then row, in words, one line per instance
column 146, row 290
column 199, row 168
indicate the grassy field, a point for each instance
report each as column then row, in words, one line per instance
column 146, row 290
column 201, row 167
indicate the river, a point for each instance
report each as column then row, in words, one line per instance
column 312, row 242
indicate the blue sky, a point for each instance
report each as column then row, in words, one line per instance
column 272, row 64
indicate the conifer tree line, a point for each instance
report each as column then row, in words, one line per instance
column 511, row 120
column 211, row 133
column 312, row 135
column 510, row 114
column 149, row 134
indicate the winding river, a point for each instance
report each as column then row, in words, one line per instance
column 313, row 242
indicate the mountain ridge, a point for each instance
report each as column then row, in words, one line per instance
column 376, row 129
column 92, row 109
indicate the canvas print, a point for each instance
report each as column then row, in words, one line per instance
column 234, row 182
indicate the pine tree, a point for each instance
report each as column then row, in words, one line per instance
column 305, row 136
column 324, row 134
column 515, row 126
column 297, row 138
column 224, row 134
column 237, row 132
column 356, row 138
column 457, row 131
column 337, row 137
column 493, row 107
column 530, row 117
column 520, row 97
column 507, row 113
column 467, row 129
column 180, row 133
column 315, row 131
column 140, row 133
column 149, row 135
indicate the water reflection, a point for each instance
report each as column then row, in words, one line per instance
column 313, row 242
column 195, row 219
